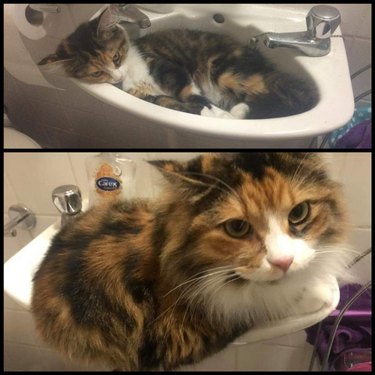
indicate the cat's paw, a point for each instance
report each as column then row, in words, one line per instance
column 313, row 298
column 240, row 110
column 216, row 112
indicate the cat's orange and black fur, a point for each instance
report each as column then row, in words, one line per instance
column 187, row 70
column 144, row 285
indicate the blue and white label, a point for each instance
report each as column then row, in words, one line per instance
column 107, row 184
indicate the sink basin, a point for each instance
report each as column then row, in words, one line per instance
column 330, row 73
column 19, row 272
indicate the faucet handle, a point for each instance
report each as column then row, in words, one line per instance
column 67, row 199
column 322, row 21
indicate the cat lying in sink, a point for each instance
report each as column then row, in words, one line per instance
column 192, row 71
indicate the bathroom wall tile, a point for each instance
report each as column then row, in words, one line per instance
column 124, row 130
column 59, row 25
column 38, row 93
column 87, row 123
column 365, row 28
column 357, row 187
column 19, row 110
column 360, row 241
column 11, row 100
column 335, row 162
column 40, row 48
column 352, row 16
column 348, row 41
column 25, row 118
column 35, row 175
column 83, row 12
column 360, row 54
column 49, row 115
column 362, row 83
column 43, row 222
column 10, row 84
column 353, row 171
column 222, row 361
column 9, row 194
column 261, row 357
column 68, row 139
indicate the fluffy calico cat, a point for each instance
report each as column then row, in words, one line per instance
column 235, row 240
column 188, row 70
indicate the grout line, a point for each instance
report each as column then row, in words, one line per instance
column 21, row 343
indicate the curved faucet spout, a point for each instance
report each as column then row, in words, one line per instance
column 299, row 40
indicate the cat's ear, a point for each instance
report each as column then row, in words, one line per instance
column 105, row 24
column 53, row 64
column 179, row 173
column 50, row 59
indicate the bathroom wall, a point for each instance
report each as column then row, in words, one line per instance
column 72, row 118
column 29, row 178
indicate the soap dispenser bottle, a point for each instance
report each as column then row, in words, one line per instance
column 111, row 176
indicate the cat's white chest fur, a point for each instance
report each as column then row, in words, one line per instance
column 135, row 71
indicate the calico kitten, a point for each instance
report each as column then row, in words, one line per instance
column 188, row 70
column 235, row 240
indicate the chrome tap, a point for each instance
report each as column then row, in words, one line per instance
column 128, row 13
column 68, row 200
column 20, row 217
column 322, row 21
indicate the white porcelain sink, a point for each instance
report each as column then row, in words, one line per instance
column 243, row 21
column 20, row 269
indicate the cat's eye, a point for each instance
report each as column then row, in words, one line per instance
column 237, row 228
column 96, row 74
column 299, row 213
column 116, row 58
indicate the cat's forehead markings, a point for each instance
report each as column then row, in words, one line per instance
column 207, row 162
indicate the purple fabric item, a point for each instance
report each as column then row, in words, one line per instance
column 353, row 331
column 361, row 303
column 357, row 137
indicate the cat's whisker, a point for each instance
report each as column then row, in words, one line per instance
column 299, row 168
column 205, row 274
column 194, row 282
column 201, row 285
column 197, row 293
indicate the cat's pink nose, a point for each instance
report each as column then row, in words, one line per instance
column 283, row 263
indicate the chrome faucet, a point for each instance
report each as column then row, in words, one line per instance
column 20, row 217
column 68, row 200
column 128, row 13
column 322, row 21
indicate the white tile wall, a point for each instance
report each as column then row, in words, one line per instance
column 48, row 115
column 30, row 178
